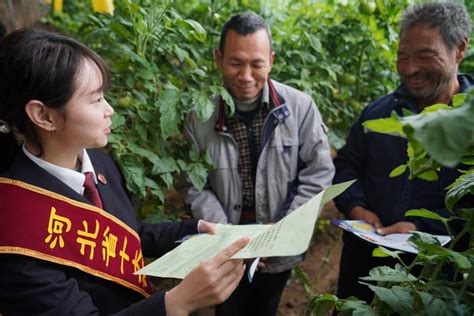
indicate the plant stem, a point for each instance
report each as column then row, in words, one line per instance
column 326, row 256
column 466, row 282
column 459, row 236
column 438, row 268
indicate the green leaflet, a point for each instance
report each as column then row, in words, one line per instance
column 398, row 171
column 198, row 176
column 387, row 274
column 458, row 258
column 203, row 104
column 445, row 134
column 319, row 305
column 461, row 187
column 426, row 214
column 168, row 107
column 398, row 298
column 390, row 125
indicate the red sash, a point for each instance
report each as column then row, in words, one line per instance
column 42, row 224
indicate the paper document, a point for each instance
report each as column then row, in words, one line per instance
column 367, row 232
column 290, row 236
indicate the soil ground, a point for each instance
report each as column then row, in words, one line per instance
column 321, row 266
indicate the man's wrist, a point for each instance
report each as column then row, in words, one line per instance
column 345, row 208
column 356, row 211
column 415, row 221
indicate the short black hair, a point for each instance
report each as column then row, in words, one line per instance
column 244, row 24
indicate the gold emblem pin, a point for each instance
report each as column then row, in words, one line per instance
column 101, row 178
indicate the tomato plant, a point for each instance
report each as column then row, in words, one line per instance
column 160, row 53
column 440, row 136
column 161, row 58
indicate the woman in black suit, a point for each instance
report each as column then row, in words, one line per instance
column 52, row 114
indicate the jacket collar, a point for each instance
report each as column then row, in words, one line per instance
column 404, row 100
column 270, row 98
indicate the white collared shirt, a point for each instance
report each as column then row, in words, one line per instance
column 73, row 179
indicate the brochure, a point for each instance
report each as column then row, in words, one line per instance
column 367, row 232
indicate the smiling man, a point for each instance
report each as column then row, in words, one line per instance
column 433, row 41
column 270, row 156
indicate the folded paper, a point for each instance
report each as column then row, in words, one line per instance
column 290, row 236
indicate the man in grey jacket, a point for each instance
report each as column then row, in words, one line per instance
column 270, row 156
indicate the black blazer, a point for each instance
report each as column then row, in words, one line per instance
column 30, row 286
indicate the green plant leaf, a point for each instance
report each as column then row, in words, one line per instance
column 167, row 178
column 445, row 134
column 198, row 176
column 459, row 259
column 386, row 274
column 151, row 183
column 199, row 32
column 194, row 153
column 435, row 107
column 430, row 175
column 134, row 177
column 320, row 305
column 203, row 105
column 225, row 95
column 463, row 186
column 379, row 252
column 468, row 161
column 156, row 191
column 164, row 165
column 314, row 42
column 145, row 74
column 433, row 305
column 356, row 307
column 407, row 112
column 399, row 298
column 142, row 132
column 398, row 171
column 459, row 99
column 390, row 125
column 117, row 121
column 167, row 104
column 180, row 53
column 301, row 276
column 208, row 158
column 426, row 214
column 384, row 252
column 142, row 152
column 423, row 237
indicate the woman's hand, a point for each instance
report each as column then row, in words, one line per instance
column 210, row 283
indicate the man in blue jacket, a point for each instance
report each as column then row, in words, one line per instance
column 433, row 41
